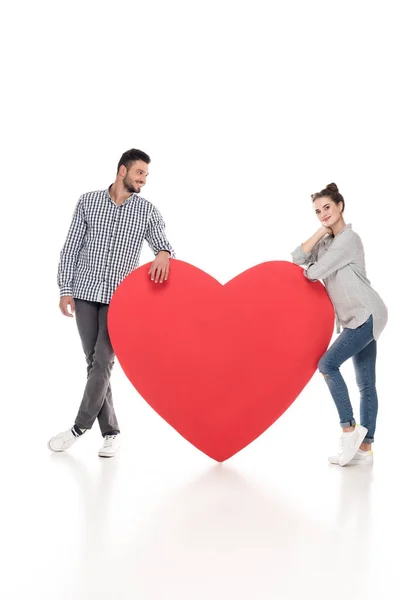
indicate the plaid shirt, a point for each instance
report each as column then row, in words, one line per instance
column 104, row 243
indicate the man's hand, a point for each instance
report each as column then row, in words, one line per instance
column 159, row 269
column 65, row 303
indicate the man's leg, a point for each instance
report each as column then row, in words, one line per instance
column 87, row 321
column 97, row 401
column 107, row 419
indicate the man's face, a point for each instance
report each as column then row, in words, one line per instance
column 135, row 177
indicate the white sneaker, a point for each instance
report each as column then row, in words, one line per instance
column 110, row 447
column 63, row 441
column 361, row 457
column 349, row 443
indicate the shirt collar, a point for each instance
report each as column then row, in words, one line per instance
column 131, row 197
column 348, row 226
column 329, row 239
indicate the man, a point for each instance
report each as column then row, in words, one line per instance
column 103, row 246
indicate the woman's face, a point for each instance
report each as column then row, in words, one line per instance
column 327, row 211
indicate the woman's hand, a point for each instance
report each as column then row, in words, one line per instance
column 324, row 229
column 309, row 245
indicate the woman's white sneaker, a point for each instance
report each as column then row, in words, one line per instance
column 110, row 446
column 361, row 458
column 351, row 442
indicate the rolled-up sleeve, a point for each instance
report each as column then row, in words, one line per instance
column 306, row 258
column 339, row 254
column 300, row 257
column 155, row 234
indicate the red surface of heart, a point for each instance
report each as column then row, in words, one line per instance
column 220, row 363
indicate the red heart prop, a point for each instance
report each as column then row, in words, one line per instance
column 220, row 363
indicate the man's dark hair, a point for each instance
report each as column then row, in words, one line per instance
column 131, row 156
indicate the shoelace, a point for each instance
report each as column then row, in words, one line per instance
column 108, row 440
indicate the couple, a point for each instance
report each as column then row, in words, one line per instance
column 103, row 246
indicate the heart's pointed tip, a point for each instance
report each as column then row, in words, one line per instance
column 220, row 459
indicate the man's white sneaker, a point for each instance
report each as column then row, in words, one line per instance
column 361, row 458
column 63, row 441
column 110, row 446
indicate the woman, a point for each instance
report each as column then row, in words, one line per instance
column 335, row 254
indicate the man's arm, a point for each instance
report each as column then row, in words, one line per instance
column 68, row 258
column 158, row 242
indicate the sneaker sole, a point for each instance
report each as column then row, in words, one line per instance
column 362, row 431
column 106, row 455
column 353, row 463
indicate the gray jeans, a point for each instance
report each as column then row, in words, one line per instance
column 97, row 402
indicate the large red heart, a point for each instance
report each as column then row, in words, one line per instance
column 220, row 363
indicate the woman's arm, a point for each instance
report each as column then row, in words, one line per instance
column 339, row 254
column 308, row 251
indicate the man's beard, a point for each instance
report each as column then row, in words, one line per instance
column 129, row 186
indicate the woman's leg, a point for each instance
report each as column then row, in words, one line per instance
column 364, row 365
column 349, row 343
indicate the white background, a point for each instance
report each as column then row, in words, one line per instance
column 245, row 108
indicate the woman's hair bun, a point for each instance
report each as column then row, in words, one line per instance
column 332, row 187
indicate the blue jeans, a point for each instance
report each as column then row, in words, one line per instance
column 359, row 344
